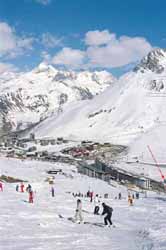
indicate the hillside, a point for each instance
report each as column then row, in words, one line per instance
column 124, row 111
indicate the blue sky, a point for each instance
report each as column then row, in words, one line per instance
column 80, row 34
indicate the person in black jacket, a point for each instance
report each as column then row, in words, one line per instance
column 108, row 211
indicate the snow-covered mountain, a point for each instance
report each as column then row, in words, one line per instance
column 126, row 110
column 27, row 98
column 155, row 61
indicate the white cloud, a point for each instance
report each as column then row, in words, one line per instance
column 7, row 38
column 50, row 41
column 43, row 2
column 96, row 37
column 104, row 49
column 114, row 52
column 6, row 67
column 70, row 57
column 11, row 44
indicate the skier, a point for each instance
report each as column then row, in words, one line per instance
column 52, row 192
column 1, row 187
column 22, row 187
column 88, row 193
column 97, row 203
column 130, row 200
column 78, row 214
column 91, row 196
column 108, row 211
column 137, row 195
column 17, row 187
column 120, row 196
column 31, row 196
column 29, row 188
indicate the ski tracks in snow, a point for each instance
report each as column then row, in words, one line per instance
column 38, row 227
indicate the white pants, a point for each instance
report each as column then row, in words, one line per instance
column 78, row 216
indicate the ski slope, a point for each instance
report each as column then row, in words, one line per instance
column 120, row 114
column 155, row 139
column 38, row 226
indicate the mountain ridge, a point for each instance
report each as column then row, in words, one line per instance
column 121, row 113
column 27, row 98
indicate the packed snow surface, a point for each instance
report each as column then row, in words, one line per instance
column 38, row 226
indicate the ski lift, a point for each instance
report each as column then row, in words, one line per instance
column 157, row 165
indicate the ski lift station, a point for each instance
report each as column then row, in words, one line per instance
column 100, row 170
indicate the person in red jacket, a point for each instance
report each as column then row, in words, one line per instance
column 1, row 187
column 22, row 187
column 31, row 196
column 91, row 196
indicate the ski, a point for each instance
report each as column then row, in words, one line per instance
column 97, row 224
column 94, row 224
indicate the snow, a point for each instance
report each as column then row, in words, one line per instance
column 155, row 139
column 31, row 96
column 130, row 112
column 124, row 111
column 38, row 226
column 53, row 148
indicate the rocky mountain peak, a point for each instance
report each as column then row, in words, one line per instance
column 27, row 98
column 155, row 61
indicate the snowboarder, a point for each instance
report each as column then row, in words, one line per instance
column 1, row 187
column 52, row 192
column 78, row 214
column 17, row 187
column 22, row 187
column 97, row 203
column 108, row 211
column 31, row 196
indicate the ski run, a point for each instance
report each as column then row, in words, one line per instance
column 43, row 224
